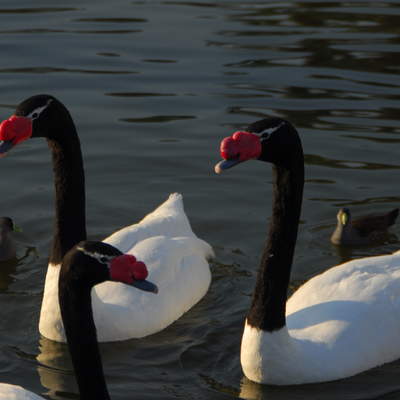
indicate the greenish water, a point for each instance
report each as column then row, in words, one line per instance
column 153, row 87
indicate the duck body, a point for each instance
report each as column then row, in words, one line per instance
column 177, row 261
column 364, row 230
column 338, row 324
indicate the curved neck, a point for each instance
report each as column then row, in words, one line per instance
column 69, row 181
column 77, row 315
column 268, row 308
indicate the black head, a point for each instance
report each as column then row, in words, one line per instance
column 38, row 116
column 90, row 263
column 6, row 225
column 272, row 140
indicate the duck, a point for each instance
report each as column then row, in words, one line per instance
column 163, row 239
column 86, row 265
column 337, row 324
column 7, row 243
column 365, row 230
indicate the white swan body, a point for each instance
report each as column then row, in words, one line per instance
column 176, row 260
column 14, row 392
column 339, row 323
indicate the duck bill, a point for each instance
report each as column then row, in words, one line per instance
column 147, row 286
column 5, row 147
column 226, row 164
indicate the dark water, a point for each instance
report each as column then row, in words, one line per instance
column 153, row 86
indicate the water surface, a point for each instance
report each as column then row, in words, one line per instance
column 153, row 86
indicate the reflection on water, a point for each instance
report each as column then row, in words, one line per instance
column 55, row 367
column 7, row 270
column 373, row 384
column 153, row 87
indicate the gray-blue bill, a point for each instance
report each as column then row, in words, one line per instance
column 225, row 164
column 146, row 286
column 5, row 146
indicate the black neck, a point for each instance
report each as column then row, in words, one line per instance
column 69, row 181
column 268, row 307
column 77, row 315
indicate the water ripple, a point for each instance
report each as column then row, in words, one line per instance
column 37, row 10
column 188, row 73
column 138, row 94
column 158, row 119
column 113, row 20
column 47, row 70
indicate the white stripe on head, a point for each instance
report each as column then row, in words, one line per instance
column 101, row 258
column 37, row 111
column 269, row 131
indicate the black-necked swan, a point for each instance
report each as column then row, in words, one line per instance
column 7, row 243
column 164, row 239
column 364, row 230
column 339, row 323
column 88, row 264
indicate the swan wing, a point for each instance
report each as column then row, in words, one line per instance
column 169, row 219
column 179, row 268
column 346, row 320
column 367, row 280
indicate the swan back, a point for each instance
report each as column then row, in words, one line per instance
column 169, row 219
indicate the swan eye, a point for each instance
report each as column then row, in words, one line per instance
column 103, row 260
column 34, row 115
column 264, row 137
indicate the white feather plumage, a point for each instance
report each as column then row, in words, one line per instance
column 177, row 264
column 13, row 392
column 339, row 323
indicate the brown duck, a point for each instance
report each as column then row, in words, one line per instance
column 369, row 229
